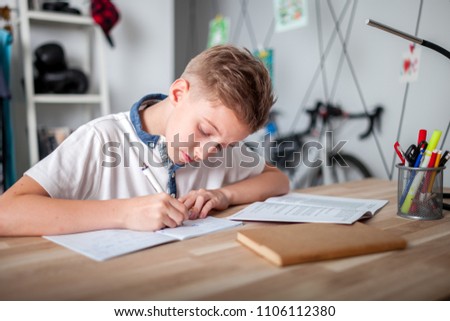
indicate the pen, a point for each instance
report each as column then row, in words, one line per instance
column 148, row 173
column 444, row 158
column 419, row 158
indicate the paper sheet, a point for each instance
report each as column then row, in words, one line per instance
column 105, row 244
column 191, row 229
column 296, row 207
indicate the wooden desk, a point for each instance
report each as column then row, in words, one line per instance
column 216, row 267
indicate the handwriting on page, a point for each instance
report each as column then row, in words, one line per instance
column 194, row 228
column 104, row 244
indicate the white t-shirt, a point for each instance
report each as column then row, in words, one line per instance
column 103, row 160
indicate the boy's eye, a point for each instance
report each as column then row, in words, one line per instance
column 203, row 132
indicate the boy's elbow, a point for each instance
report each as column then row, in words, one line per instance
column 5, row 217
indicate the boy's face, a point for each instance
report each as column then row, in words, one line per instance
column 198, row 128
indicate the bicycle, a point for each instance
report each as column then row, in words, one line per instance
column 323, row 166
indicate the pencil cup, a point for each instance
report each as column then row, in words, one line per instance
column 420, row 192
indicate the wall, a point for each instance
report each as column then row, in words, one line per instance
column 141, row 62
column 375, row 57
column 152, row 33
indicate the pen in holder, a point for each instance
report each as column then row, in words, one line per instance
column 420, row 192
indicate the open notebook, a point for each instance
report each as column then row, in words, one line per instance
column 105, row 244
column 307, row 208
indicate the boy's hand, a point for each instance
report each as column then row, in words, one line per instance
column 154, row 212
column 201, row 202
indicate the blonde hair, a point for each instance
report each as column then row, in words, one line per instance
column 237, row 79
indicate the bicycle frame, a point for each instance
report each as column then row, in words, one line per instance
column 306, row 175
column 314, row 162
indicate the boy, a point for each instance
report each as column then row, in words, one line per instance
column 110, row 172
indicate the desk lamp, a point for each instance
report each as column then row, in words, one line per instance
column 419, row 41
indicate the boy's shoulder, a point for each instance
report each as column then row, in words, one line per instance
column 108, row 126
column 109, row 121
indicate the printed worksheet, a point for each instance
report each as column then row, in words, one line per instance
column 296, row 207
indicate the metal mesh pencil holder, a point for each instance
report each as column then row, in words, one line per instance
column 420, row 192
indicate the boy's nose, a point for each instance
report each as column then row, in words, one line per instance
column 204, row 151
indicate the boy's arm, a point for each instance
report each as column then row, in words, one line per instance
column 271, row 182
column 27, row 209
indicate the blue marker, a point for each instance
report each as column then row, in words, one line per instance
column 419, row 158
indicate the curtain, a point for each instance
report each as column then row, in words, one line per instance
column 8, row 152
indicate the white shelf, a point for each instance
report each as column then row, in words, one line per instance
column 30, row 19
column 67, row 99
column 47, row 16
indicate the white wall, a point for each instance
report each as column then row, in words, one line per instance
column 141, row 62
column 376, row 58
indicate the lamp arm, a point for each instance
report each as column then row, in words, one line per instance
column 409, row 37
column 437, row 48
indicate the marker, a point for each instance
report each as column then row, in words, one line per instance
column 400, row 152
column 433, row 175
column 419, row 158
column 444, row 158
column 429, row 174
column 422, row 136
column 417, row 178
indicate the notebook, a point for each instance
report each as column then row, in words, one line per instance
column 105, row 244
column 297, row 243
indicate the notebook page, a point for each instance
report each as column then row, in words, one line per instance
column 371, row 205
column 193, row 228
column 279, row 212
column 105, row 244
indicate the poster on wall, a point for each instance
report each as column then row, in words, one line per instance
column 290, row 14
column 266, row 56
column 219, row 31
column 409, row 71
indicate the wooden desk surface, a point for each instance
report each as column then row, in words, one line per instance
column 217, row 267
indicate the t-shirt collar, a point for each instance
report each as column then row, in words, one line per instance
column 147, row 138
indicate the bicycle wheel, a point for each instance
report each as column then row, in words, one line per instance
column 352, row 171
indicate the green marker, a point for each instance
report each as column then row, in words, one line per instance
column 433, row 143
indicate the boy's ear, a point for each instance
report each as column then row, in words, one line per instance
column 178, row 90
